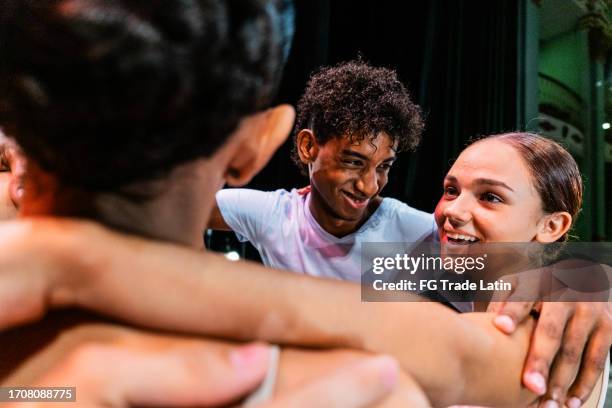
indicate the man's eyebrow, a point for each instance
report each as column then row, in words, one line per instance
column 486, row 181
column 349, row 152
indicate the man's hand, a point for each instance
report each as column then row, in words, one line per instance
column 569, row 347
column 203, row 375
column 364, row 383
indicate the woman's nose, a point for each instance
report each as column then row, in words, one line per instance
column 458, row 211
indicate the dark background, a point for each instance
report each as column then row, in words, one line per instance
column 457, row 58
column 472, row 66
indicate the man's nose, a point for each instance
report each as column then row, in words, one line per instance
column 367, row 184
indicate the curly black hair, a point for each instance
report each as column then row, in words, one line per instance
column 356, row 100
column 104, row 93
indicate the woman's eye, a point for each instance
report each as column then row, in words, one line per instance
column 450, row 191
column 491, row 198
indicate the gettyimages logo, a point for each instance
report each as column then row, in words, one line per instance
column 412, row 264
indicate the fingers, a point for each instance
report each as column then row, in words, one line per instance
column 360, row 384
column 111, row 375
column 567, row 362
column 500, row 297
column 514, row 308
column 511, row 314
column 593, row 363
column 495, row 307
column 185, row 375
column 545, row 343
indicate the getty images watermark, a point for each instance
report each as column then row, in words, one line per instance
column 412, row 264
column 485, row 272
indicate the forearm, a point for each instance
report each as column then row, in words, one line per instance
column 170, row 287
column 103, row 359
column 203, row 293
column 57, row 263
column 457, row 359
column 493, row 363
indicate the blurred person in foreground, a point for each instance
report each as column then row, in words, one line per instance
column 114, row 163
column 123, row 101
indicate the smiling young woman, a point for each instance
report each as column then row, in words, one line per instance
column 512, row 187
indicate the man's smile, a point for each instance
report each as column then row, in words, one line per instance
column 357, row 202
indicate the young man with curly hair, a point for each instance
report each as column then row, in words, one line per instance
column 352, row 121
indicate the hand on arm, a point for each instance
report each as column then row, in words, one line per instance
column 571, row 341
column 125, row 367
column 118, row 375
column 457, row 359
column 209, row 376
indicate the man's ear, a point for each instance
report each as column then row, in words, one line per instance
column 552, row 226
column 259, row 136
column 307, row 147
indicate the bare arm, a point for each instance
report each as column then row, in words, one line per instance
column 111, row 365
column 217, row 222
column 446, row 353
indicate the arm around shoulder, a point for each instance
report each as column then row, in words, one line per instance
column 456, row 358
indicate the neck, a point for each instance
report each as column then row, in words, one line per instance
column 178, row 213
column 331, row 222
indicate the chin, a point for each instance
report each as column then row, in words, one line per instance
column 350, row 216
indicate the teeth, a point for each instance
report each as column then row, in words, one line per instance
column 354, row 198
column 462, row 237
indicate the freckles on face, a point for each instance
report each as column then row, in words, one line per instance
column 489, row 196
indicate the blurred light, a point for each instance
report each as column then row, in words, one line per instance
column 232, row 255
column 606, row 126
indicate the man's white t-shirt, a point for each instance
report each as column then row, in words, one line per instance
column 281, row 227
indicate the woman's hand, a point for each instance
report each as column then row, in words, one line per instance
column 569, row 348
